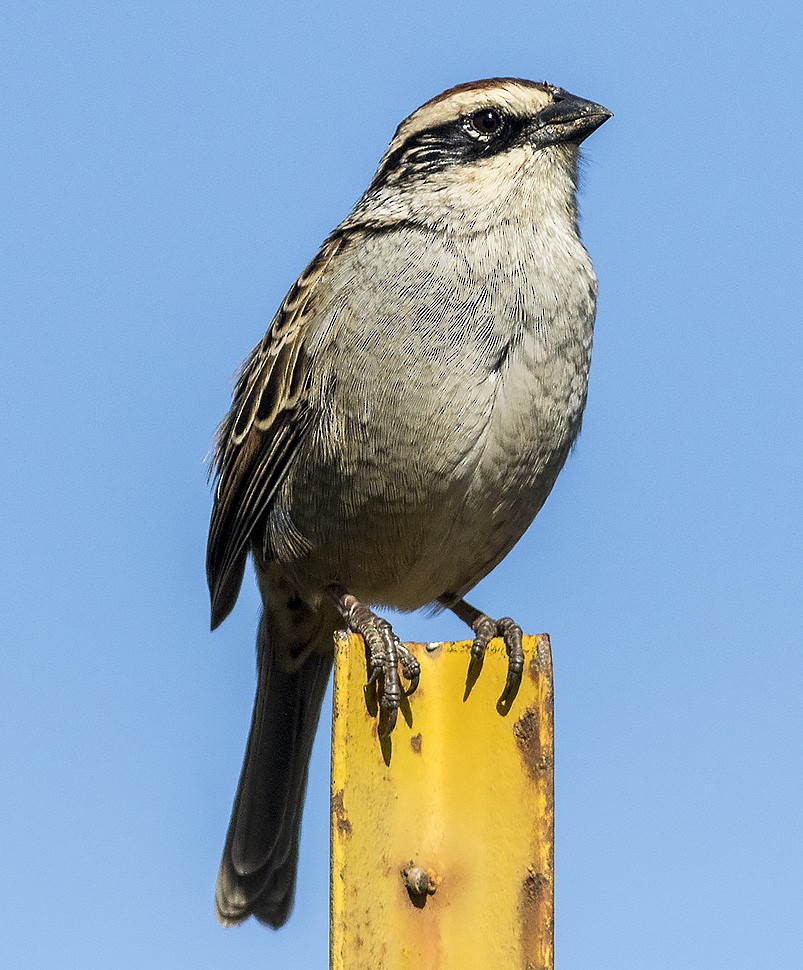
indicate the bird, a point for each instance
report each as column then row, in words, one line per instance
column 398, row 428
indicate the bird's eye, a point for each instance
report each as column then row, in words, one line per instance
column 486, row 122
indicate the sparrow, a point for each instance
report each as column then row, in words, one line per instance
column 398, row 428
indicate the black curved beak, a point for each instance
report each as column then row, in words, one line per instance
column 568, row 118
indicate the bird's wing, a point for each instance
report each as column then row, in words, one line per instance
column 259, row 436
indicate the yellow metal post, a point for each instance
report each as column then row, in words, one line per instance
column 442, row 834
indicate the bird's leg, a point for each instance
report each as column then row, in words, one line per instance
column 385, row 652
column 485, row 629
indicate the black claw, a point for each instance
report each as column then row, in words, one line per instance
column 387, row 721
column 512, row 635
column 511, row 688
column 413, row 684
column 484, row 629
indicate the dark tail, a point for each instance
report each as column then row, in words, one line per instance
column 258, row 871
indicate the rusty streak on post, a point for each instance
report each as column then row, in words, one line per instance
column 442, row 835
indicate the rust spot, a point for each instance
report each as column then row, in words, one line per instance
column 537, row 923
column 339, row 812
column 415, row 743
column 542, row 659
column 527, row 731
column 533, row 889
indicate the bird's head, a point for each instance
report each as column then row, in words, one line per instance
column 497, row 148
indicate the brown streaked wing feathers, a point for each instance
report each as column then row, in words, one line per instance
column 258, row 437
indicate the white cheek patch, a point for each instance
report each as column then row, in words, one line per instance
column 520, row 182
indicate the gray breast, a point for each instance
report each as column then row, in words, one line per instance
column 449, row 383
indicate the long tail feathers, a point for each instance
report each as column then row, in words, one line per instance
column 258, row 871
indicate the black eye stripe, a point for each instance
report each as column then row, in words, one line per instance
column 456, row 142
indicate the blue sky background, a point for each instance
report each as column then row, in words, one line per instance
column 168, row 169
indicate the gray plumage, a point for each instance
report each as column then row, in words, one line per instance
column 403, row 420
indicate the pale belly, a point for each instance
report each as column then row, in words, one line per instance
column 404, row 526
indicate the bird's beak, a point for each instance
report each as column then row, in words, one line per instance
column 568, row 118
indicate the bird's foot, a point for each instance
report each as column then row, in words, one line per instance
column 386, row 653
column 485, row 629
